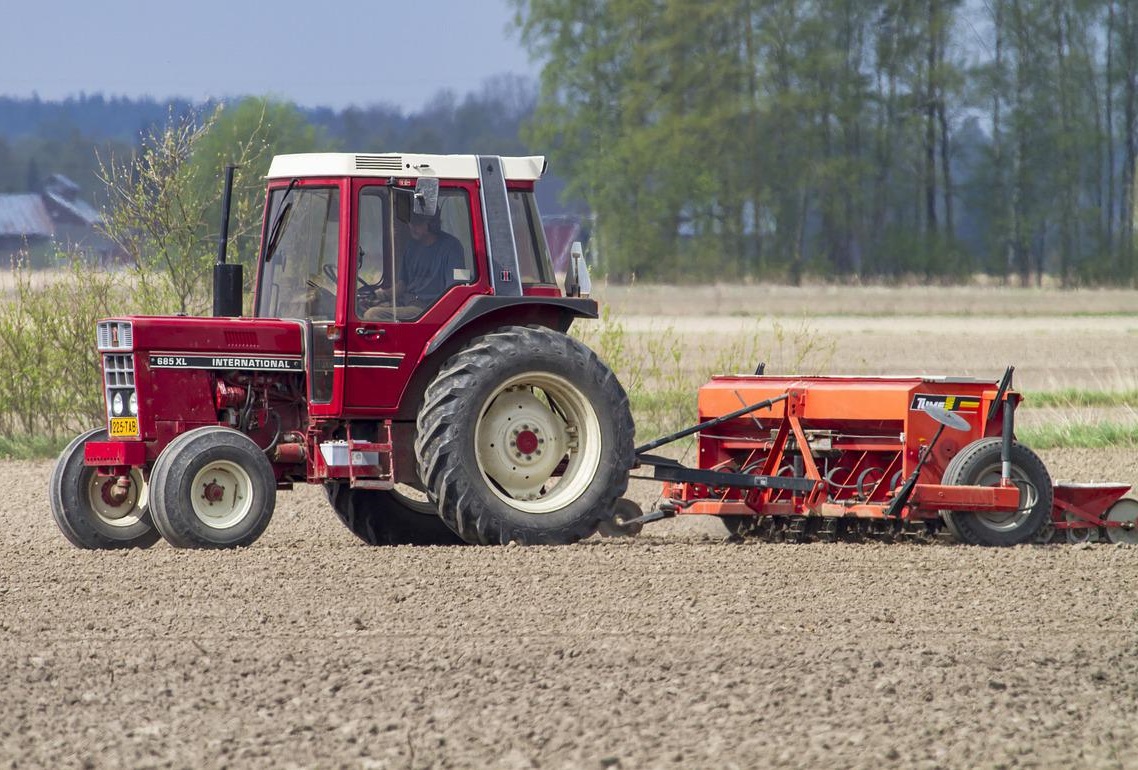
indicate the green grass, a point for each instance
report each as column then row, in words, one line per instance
column 31, row 447
column 1077, row 397
column 1071, row 435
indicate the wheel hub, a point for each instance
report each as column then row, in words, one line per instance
column 117, row 503
column 213, row 492
column 226, row 494
column 526, row 441
column 521, row 442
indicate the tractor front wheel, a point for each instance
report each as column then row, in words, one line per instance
column 212, row 487
column 525, row 436
column 978, row 464
column 388, row 517
column 90, row 510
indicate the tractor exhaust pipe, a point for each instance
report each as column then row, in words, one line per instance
column 227, row 278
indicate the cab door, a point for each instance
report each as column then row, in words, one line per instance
column 406, row 285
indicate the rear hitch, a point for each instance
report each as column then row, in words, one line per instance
column 668, row 509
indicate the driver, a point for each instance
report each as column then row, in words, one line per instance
column 424, row 271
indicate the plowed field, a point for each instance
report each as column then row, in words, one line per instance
column 676, row 649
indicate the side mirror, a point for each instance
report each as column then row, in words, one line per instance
column 426, row 200
column 577, row 282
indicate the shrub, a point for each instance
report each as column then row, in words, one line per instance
column 49, row 381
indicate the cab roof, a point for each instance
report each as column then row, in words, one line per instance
column 330, row 164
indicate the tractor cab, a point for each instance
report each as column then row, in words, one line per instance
column 377, row 253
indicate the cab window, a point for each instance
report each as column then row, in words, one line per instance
column 407, row 262
column 299, row 265
column 533, row 253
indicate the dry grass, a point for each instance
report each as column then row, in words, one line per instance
column 664, row 341
column 1084, row 341
column 873, row 301
column 39, row 279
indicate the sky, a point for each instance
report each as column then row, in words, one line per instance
column 332, row 53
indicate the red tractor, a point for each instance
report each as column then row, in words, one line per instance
column 407, row 349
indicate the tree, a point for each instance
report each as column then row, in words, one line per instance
column 248, row 135
column 165, row 200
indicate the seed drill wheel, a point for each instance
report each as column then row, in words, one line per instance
column 525, row 436
column 978, row 464
column 1125, row 511
column 87, row 508
column 212, row 487
column 1081, row 534
column 381, row 517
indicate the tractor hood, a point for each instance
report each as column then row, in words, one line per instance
column 246, row 340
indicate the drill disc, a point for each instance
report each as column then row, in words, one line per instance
column 946, row 418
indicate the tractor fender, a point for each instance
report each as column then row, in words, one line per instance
column 481, row 315
column 566, row 308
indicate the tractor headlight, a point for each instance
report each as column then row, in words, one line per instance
column 117, row 405
column 132, row 403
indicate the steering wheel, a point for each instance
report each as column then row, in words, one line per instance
column 331, row 274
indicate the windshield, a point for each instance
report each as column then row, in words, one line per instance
column 299, row 278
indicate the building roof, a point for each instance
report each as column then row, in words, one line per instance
column 63, row 185
column 79, row 209
column 25, row 215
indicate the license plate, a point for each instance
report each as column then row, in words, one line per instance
column 124, row 426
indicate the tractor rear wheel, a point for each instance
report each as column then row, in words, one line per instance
column 89, row 511
column 212, row 487
column 526, row 436
column 978, row 464
column 381, row 517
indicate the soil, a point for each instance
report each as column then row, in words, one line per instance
column 675, row 649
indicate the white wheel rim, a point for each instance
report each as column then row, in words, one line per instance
column 1007, row 521
column 521, row 442
column 221, row 494
column 126, row 513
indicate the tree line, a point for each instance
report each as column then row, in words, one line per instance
column 848, row 138
column 39, row 138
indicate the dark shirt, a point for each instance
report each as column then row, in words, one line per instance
column 427, row 270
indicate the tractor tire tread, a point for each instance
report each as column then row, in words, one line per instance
column 169, row 503
column 445, row 430
column 72, row 513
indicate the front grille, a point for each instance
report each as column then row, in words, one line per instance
column 379, row 163
column 118, row 370
column 240, row 339
column 115, row 335
column 118, row 377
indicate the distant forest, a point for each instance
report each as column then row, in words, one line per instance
column 39, row 138
column 928, row 139
column 773, row 140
